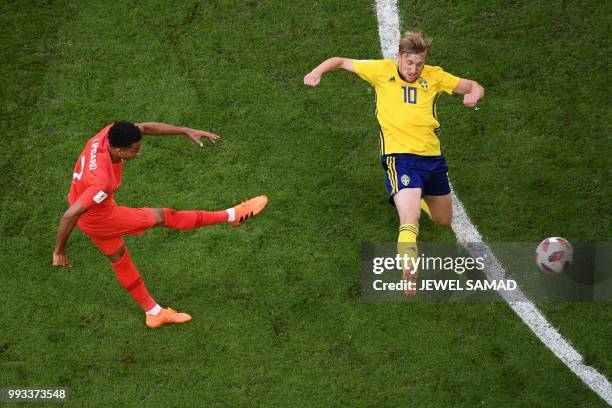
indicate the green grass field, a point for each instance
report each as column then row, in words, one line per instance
column 278, row 318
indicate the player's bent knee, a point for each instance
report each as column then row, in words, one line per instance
column 116, row 256
column 444, row 221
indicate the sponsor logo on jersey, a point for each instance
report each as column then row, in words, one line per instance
column 92, row 155
column 423, row 82
column 101, row 196
column 392, row 79
column 405, row 180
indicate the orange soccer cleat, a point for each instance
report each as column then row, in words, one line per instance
column 166, row 316
column 249, row 208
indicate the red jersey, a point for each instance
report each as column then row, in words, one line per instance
column 96, row 178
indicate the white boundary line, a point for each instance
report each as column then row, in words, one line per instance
column 466, row 232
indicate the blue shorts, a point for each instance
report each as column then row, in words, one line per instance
column 405, row 170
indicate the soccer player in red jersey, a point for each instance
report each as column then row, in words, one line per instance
column 96, row 177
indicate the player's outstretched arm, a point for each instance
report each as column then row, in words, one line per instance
column 156, row 129
column 472, row 92
column 314, row 77
column 66, row 225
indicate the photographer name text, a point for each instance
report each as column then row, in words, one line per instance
column 446, row 285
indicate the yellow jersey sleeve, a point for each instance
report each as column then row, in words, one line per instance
column 445, row 82
column 370, row 70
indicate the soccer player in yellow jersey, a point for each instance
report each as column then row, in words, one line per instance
column 406, row 94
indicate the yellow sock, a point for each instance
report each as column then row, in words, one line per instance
column 425, row 207
column 407, row 240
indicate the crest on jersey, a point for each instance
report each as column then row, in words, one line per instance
column 423, row 82
column 405, row 180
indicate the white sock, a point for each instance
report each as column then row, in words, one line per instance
column 231, row 215
column 154, row 310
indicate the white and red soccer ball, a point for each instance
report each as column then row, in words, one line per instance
column 554, row 255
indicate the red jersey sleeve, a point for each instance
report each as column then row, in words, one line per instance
column 94, row 195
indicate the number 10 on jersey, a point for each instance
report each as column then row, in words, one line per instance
column 410, row 94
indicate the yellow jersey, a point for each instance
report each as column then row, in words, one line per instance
column 406, row 111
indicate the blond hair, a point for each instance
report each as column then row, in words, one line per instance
column 414, row 42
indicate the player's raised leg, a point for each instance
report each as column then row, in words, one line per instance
column 186, row 220
column 130, row 279
column 440, row 209
column 407, row 201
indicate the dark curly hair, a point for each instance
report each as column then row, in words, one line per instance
column 124, row 134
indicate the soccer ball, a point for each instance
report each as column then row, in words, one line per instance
column 554, row 255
